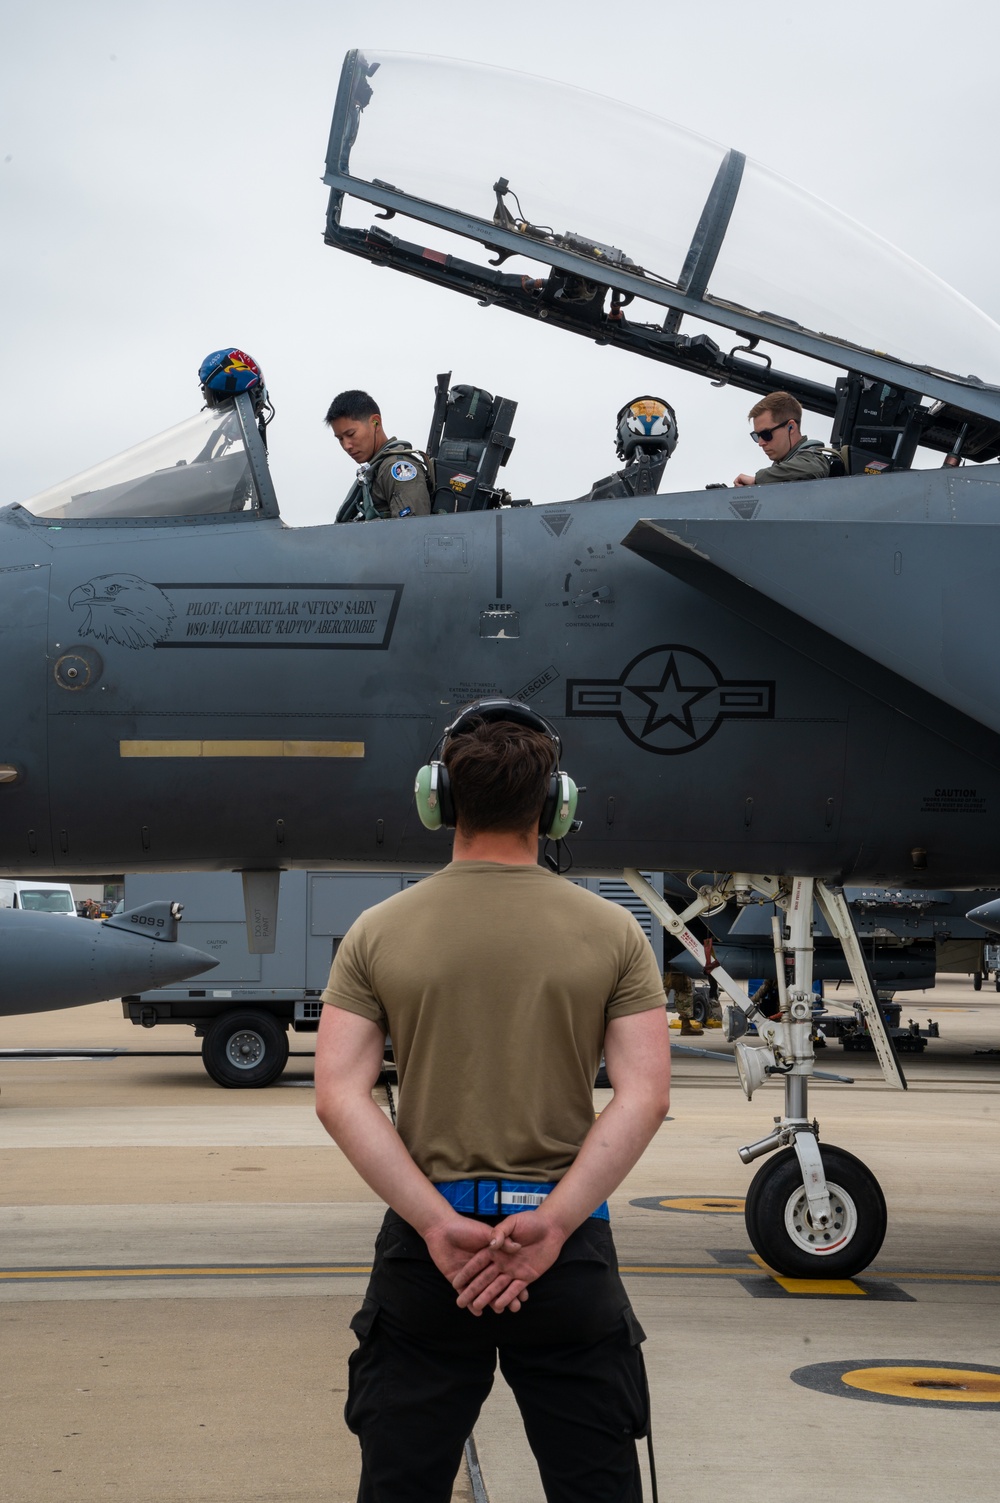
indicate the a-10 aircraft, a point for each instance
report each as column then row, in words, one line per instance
column 790, row 686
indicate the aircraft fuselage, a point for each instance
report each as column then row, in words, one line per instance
column 228, row 692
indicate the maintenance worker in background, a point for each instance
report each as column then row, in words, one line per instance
column 500, row 984
column 776, row 419
column 393, row 477
column 680, row 995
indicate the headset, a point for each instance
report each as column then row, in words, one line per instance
column 432, row 790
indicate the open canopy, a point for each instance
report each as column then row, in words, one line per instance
column 738, row 244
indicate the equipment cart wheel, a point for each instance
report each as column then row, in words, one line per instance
column 777, row 1217
column 245, row 1049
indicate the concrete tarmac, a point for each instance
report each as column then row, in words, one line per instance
column 179, row 1263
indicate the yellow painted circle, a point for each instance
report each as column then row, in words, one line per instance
column 945, row 1385
column 722, row 1205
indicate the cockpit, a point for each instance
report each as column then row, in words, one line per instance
column 213, row 465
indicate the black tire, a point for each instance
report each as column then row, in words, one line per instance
column 782, row 1234
column 245, row 1049
column 699, row 1010
column 977, row 981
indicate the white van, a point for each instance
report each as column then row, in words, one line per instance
column 37, row 897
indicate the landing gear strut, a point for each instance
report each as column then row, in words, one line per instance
column 811, row 1212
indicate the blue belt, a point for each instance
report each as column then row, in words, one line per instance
column 502, row 1197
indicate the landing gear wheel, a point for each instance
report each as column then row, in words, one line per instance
column 777, row 1217
column 977, row 981
column 699, row 1010
column 245, row 1049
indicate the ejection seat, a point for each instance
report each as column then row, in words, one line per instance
column 469, row 442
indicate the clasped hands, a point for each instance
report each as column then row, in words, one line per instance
column 492, row 1266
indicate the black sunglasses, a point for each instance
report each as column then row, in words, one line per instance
column 765, row 435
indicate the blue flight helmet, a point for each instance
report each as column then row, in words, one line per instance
column 225, row 373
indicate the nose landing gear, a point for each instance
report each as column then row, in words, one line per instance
column 782, row 1229
column 812, row 1212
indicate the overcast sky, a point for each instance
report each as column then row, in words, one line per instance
column 160, row 169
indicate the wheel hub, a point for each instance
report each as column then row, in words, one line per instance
column 821, row 1241
column 245, row 1049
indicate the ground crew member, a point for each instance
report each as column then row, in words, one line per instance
column 683, row 989
column 776, row 419
column 393, row 477
column 501, row 984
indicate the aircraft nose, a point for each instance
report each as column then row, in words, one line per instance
column 173, row 962
column 51, row 960
column 987, row 915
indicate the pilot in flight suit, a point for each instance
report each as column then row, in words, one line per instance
column 394, row 479
column 776, row 420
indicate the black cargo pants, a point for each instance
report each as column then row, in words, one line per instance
column 423, row 1369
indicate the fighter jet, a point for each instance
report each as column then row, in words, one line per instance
column 45, row 963
column 789, row 687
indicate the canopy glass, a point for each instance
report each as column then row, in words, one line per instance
column 445, row 132
column 198, row 468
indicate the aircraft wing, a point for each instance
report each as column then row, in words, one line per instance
column 896, row 570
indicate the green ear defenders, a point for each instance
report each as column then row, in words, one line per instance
column 432, row 790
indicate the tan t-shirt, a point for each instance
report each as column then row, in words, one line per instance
column 496, row 984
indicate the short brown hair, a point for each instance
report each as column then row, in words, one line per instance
column 499, row 774
column 781, row 405
column 357, row 405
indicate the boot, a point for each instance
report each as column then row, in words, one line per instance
column 690, row 1027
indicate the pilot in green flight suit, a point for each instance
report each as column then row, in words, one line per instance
column 776, row 429
column 393, row 477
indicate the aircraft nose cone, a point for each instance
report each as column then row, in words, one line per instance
column 51, row 960
column 987, row 915
column 173, row 962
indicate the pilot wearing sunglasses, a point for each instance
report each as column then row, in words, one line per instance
column 776, row 429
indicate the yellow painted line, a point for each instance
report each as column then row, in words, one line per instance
column 947, row 1385
column 945, row 1278
column 720, row 1204
column 14, row 1275
column 819, row 1286
column 677, row 1270
column 810, row 1286
column 174, row 749
column 713, row 1271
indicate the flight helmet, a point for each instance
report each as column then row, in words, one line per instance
column 646, row 424
column 226, row 373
